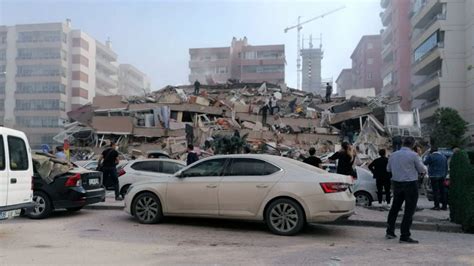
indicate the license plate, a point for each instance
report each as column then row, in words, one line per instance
column 94, row 182
column 9, row 214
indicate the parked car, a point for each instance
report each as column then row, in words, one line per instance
column 147, row 169
column 282, row 192
column 92, row 164
column 365, row 187
column 72, row 189
column 16, row 171
column 157, row 154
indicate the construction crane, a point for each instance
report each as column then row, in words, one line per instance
column 298, row 28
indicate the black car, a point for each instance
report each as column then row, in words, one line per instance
column 71, row 190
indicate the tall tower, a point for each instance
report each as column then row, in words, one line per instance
column 311, row 71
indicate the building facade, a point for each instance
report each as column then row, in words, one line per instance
column 132, row 82
column 47, row 70
column 240, row 61
column 344, row 81
column 443, row 57
column 396, row 50
column 366, row 63
column 311, row 70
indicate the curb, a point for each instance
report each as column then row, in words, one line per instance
column 449, row 228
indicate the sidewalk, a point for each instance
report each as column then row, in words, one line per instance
column 424, row 218
column 374, row 216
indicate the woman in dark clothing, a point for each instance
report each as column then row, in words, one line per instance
column 346, row 158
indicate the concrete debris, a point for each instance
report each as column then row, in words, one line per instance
column 276, row 119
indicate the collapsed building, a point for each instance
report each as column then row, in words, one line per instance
column 172, row 117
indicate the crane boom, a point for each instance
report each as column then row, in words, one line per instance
column 298, row 27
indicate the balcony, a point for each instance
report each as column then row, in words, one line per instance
column 384, row 3
column 209, row 63
column 426, row 13
column 428, row 88
column 386, row 35
column 436, row 23
column 107, row 65
column 106, row 80
column 428, row 109
column 387, row 53
column 386, row 16
column 429, row 62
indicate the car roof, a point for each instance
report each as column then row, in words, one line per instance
column 157, row 160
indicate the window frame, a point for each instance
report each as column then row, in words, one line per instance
column 155, row 164
column 229, row 165
column 224, row 165
column 10, row 149
column 3, row 165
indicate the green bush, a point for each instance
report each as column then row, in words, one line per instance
column 461, row 191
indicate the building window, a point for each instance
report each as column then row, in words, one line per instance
column 426, row 47
column 387, row 79
column 40, row 87
column 370, row 45
column 2, row 88
column 48, row 104
column 370, row 61
column 80, row 59
column 40, row 70
column 79, row 42
column 40, row 121
column 41, row 53
column 3, row 38
column 80, row 92
column 369, row 76
column 3, row 55
column 79, row 75
column 40, row 36
column 264, row 69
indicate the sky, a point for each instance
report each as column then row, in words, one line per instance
column 155, row 35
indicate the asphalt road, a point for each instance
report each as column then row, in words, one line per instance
column 113, row 237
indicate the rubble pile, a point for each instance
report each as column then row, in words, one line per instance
column 274, row 119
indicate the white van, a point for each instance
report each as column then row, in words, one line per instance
column 16, row 173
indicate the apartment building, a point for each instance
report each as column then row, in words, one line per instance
column 47, row 70
column 396, row 50
column 366, row 63
column 443, row 56
column 311, row 70
column 132, row 82
column 344, row 81
column 240, row 61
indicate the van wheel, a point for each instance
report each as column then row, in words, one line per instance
column 285, row 217
column 43, row 206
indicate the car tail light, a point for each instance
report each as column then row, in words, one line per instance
column 74, row 181
column 333, row 187
column 121, row 172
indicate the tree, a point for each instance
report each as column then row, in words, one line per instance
column 229, row 144
column 448, row 129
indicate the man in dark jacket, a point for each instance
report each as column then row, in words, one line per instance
column 197, row 85
column 108, row 162
column 313, row 160
column 437, row 171
column 192, row 156
column 328, row 92
column 382, row 178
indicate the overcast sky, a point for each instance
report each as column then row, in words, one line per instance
column 155, row 35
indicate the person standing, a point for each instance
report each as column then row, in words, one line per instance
column 264, row 111
column 192, row 156
column 328, row 92
column 345, row 160
column 405, row 166
column 382, row 178
column 312, row 159
column 60, row 153
column 197, row 86
column 292, row 105
column 437, row 171
column 108, row 164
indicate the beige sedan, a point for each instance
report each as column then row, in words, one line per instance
column 284, row 193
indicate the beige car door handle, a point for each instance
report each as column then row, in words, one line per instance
column 211, row 186
column 262, row 186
